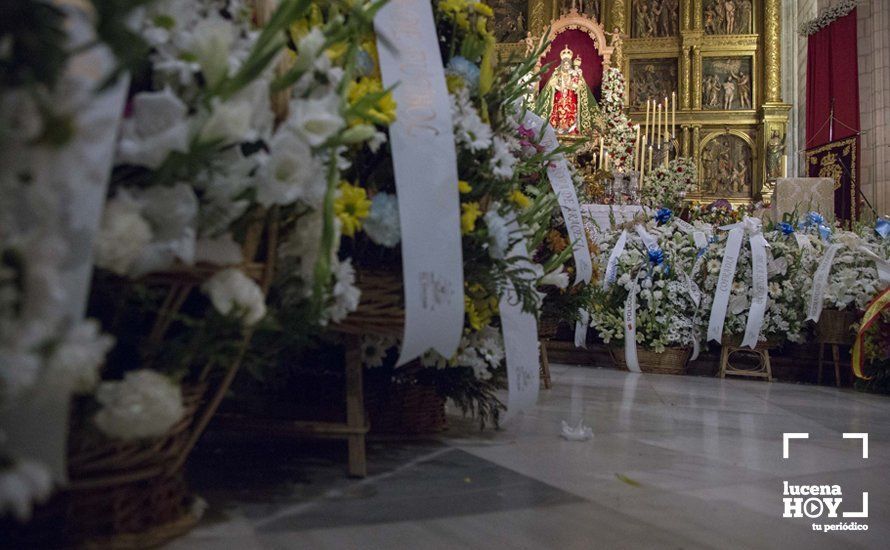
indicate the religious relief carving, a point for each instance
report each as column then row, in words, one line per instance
column 651, row 79
column 726, row 166
column 775, row 149
column 590, row 8
column 726, row 83
column 655, row 18
column 510, row 19
column 728, row 16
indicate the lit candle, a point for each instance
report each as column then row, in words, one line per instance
column 646, row 127
column 657, row 137
column 601, row 153
column 674, row 114
column 637, row 148
column 785, row 165
column 642, row 161
column 650, row 159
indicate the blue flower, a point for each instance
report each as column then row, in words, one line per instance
column 882, row 227
column 815, row 218
column 464, row 68
column 663, row 215
column 656, row 256
column 364, row 64
column 786, row 228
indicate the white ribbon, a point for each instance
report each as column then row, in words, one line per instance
column 425, row 167
column 803, row 242
column 684, row 226
column 561, row 180
column 520, row 330
column 759, row 286
column 612, row 265
column 724, row 282
column 649, row 241
column 630, row 330
column 881, row 265
column 820, row 282
column 581, row 329
column 700, row 239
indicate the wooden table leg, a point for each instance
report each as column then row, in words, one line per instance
column 724, row 360
column 355, row 407
column 836, row 355
column 545, row 366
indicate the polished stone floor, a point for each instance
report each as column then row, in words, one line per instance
column 675, row 462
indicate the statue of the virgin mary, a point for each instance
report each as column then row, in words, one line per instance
column 566, row 98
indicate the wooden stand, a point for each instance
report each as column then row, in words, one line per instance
column 761, row 370
column 836, row 356
column 545, row 366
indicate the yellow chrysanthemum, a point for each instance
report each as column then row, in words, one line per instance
column 454, row 83
column 337, row 50
column 480, row 306
column 464, row 187
column 519, row 198
column 469, row 213
column 351, row 207
column 369, row 45
column 456, row 10
column 382, row 111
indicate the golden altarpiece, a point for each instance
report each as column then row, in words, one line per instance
column 721, row 58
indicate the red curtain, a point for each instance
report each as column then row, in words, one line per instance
column 833, row 80
column 581, row 44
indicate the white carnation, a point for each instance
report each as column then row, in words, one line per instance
column 234, row 293
column 77, row 357
column 22, row 485
column 498, row 233
column 345, row 294
column 144, row 404
column 123, row 235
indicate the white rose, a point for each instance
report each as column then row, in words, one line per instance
column 233, row 292
column 78, row 356
column 123, row 236
column 157, row 127
column 144, row 404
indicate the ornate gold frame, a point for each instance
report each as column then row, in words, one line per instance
column 845, row 141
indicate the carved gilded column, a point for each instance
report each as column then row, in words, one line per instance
column 685, row 146
column 772, row 50
column 695, row 6
column 618, row 13
column 686, row 9
column 539, row 15
column 696, row 140
column 696, row 77
column 685, row 79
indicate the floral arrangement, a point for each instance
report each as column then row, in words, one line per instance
column 224, row 129
column 620, row 131
column 665, row 307
column 827, row 16
column 667, row 185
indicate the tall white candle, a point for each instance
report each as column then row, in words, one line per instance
column 657, row 137
column 646, row 127
column 674, row 115
column 637, row 147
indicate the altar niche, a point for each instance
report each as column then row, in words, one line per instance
column 726, row 165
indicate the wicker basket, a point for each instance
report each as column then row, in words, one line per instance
column 670, row 361
column 547, row 327
column 409, row 408
column 121, row 494
column 834, row 327
column 381, row 309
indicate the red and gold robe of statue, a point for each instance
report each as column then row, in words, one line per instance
column 564, row 117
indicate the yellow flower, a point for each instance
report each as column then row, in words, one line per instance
column 518, row 198
column 382, row 111
column 454, row 83
column 456, row 10
column 337, row 50
column 469, row 214
column 351, row 207
column 480, row 307
column 483, row 10
column 464, row 187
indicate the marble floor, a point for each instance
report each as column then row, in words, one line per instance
column 675, row 462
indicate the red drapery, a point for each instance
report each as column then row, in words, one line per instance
column 581, row 44
column 833, row 80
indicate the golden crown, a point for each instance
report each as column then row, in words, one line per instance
column 566, row 54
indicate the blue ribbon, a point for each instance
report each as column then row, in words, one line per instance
column 785, row 227
column 814, row 219
column 663, row 215
column 882, row 227
column 656, row 257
